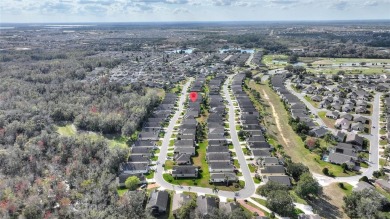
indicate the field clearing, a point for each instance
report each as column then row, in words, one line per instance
column 112, row 140
column 329, row 61
column 293, row 144
column 68, row 130
column 328, row 122
column 348, row 70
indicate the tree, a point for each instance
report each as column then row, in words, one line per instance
column 364, row 179
column 386, row 153
column 187, row 211
column 293, row 58
column 296, row 170
column 257, row 80
column 308, row 186
column 132, row 182
column 364, row 204
column 289, row 68
column 281, row 202
column 270, row 186
column 344, row 166
column 311, row 143
column 325, row 171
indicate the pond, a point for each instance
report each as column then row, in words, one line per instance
column 186, row 51
column 234, row 49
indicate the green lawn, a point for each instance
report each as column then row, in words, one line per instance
column 260, row 201
column 236, row 163
column 257, row 181
column 297, row 198
column 315, row 104
column 68, row 130
column 328, row 122
column 252, row 168
column 382, row 161
column 347, row 189
column 171, row 143
column 150, row 175
column 168, row 165
column 121, row 191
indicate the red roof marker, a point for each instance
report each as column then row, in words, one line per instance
column 193, row 96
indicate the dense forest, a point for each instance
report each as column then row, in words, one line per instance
column 45, row 175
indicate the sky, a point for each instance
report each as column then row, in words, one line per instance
column 63, row 11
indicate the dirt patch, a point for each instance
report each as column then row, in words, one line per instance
column 277, row 120
column 153, row 185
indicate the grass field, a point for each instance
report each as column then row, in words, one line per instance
column 68, row 130
column 293, row 144
column 328, row 122
column 330, row 61
column 308, row 99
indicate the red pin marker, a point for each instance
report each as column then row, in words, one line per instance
column 193, row 96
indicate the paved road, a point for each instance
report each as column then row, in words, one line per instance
column 249, row 188
column 249, row 184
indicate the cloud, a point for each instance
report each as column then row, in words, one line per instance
column 181, row 11
column 371, row 3
column 287, row 2
column 223, row 2
column 340, row 5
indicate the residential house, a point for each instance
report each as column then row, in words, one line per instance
column 332, row 115
column 133, row 168
column 206, row 205
column 342, row 124
column 158, row 202
column 223, row 177
column 215, row 167
column 354, row 139
column 318, row 132
column 186, row 171
column 283, row 179
column 228, row 207
column 273, row 170
column 178, row 201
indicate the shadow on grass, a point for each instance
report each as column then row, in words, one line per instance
column 324, row 208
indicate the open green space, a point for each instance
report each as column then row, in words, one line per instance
column 328, row 122
column 313, row 103
column 68, row 130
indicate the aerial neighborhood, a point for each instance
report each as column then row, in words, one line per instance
column 195, row 120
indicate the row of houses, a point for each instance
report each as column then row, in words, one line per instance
column 205, row 205
column 143, row 149
column 270, row 167
column 185, row 144
column 350, row 144
column 218, row 156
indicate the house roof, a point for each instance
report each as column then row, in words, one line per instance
column 225, row 165
column 363, row 185
column 261, row 153
column 129, row 166
column 280, row 179
column 228, row 207
column 180, row 200
column 217, row 149
column 219, row 176
column 339, row 158
column 273, row 169
column 354, row 138
column 159, row 199
column 219, row 157
column 206, row 204
column 270, row 160
column 187, row 169
column 139, row 158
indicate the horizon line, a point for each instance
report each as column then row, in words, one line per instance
column 211, row 21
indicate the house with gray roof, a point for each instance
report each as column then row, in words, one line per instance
column 206, row 205
column 282, row 179
column 158, row 202
column 186, row 171
column 178, row 201
column 228, row 207
column 273, row 170
column 215, row 167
